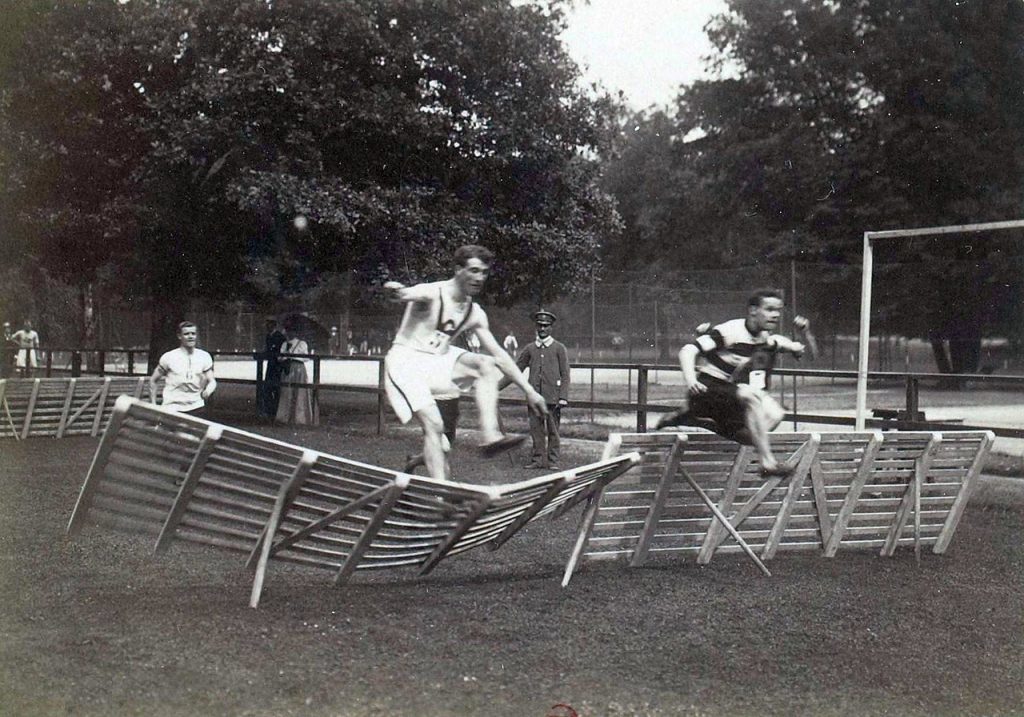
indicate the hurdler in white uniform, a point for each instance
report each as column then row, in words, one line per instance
column 422, row 365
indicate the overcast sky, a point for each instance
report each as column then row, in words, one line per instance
column 646, row 48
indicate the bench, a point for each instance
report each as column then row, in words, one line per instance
column 694, row 492
column 177, row 477
column 61, row 407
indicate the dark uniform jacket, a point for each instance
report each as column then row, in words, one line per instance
column 549, row 370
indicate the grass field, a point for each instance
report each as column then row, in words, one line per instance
column 99, row 627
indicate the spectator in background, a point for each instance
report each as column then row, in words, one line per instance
column 295, row 406
column 7, row 357
column 270, row 390
column 187, row 372
column 510, row 343
column 334, row 342
column 547, row 362
column 26, row 340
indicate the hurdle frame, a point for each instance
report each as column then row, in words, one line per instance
column 867, row 266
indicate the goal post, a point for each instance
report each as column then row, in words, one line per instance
column 865, row 291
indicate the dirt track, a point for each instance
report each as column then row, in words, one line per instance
column 97, row 627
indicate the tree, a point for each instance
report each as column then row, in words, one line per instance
column 832, row 117
column 397, row 129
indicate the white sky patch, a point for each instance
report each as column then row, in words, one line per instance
column 646, row 48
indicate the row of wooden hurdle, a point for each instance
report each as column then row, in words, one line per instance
column 693, row 491
column 182, row 478
column 61, row 407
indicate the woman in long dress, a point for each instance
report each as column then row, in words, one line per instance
column 295, row 406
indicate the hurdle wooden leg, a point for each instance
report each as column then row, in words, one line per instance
column 658, row 504
column 100, row 405
column 796, row 486
column 27, row 425
column 583, row 536
column 911, row 502
column 336, row 515
column 725, row 521
column 960, row 502
column 821, row 503
column 81, row 409
column 597, row 485
column 284, row 498
column 917, row 519
column 391, row 497
column 526, row 516
column 206, row 447
column 716, row 531
column 66, row 411
column 99, row 461
column 867, row 464
column 611, row 449
column 449, row 542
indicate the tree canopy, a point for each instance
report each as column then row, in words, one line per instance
column 168, row 148
column 831, row 117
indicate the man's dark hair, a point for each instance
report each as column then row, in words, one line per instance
column 473, row 251
column 761, row 294
column 185, row 324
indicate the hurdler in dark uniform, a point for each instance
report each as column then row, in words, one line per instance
column 548, row 364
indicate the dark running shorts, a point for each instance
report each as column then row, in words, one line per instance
column 449, row 408
column 720, row 403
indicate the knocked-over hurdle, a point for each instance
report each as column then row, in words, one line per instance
column 183, row 478
column 61, row 406
column 693, row 491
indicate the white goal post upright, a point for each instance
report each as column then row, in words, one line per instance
column 865, row 292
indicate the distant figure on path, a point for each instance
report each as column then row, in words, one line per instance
column 27, row 341
column 295, row 406
column 270, row 391
column 510, row 344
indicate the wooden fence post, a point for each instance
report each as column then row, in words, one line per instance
column 316, row 390
column 381, row 397
column 641, row 399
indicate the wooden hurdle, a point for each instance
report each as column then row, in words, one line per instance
column 183, row 478
column 697, row 493
column 61, row 407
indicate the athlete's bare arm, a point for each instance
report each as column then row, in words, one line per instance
column 688, row 364
column 398, row 293
column 803, row 327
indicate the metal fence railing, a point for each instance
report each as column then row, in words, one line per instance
column 75, row 362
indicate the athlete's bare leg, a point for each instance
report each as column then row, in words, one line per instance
column 435, row 444
column 485, row 391
column 758, row 422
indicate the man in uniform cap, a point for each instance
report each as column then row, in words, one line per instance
column 548, row 365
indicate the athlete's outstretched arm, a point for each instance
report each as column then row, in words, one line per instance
column 688, row 364
column 508, row 367
column 803, row 327
column 399, row 293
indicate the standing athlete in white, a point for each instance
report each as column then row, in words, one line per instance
column 423, row 365
column 187, row 372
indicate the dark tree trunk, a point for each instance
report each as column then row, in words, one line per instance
column 942, row 361
column 163, row 327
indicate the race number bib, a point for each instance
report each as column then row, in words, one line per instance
column 758, row 379
column 438, row 342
